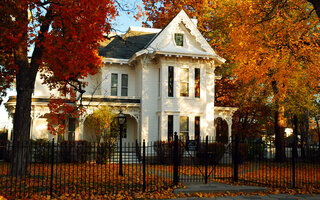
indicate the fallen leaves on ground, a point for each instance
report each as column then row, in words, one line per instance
column 101, row 181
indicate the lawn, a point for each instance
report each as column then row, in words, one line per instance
column 101, row 179
column 78, row 178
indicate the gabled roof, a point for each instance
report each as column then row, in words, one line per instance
column 139, row 41
column 135, row 39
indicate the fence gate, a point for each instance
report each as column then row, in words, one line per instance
column 202, row 160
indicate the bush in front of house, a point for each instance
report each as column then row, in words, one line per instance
column 3, row 143
column 242, row 152
column 5, row 153
column 105, row 151
column 164, row 152
column 41, row 151
column 214, row 154
column 75, row 151
column 256, row 150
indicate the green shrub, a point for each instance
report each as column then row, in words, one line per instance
column 214, row 154
column 3, row 135
column 5, row 154
column 242, row 152
column 164, row 151
column 75, row 151
column 256, row 150
column 41, row 150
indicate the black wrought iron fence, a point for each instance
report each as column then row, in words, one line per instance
column 75, row 167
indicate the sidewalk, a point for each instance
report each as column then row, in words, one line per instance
column 267, row 197
column 221, row 187
column 217, row 187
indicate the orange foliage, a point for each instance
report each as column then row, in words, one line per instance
column 272, row 48
column 265, row 41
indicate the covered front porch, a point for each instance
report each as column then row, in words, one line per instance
column 223, row 123
column 131, row 128
column 75, row 127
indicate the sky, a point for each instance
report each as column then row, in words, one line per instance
column 122, row 23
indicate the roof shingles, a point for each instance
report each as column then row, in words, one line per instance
column 125, row 47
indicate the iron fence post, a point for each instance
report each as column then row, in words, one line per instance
column 176, row 160
column 144, row 166
column 236, row 158
column 206, row 162
column 293, row 165
column 52, row 162
column 120, row 158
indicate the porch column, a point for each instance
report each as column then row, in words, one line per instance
column 34, row 118
column 10, row 128
column 80, row 135
column 229, row 122
column 215, row 130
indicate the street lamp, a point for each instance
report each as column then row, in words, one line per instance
column 121, row 118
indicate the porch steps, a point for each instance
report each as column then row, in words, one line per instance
column 226, row 158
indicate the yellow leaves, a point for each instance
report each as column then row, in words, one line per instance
column 276, row 191
column 101, row 121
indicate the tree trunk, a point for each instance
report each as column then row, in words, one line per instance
column 279, row 134
column 21, row 125
column 279, row 122
column 302, row 134
column 295, row 136
column 307, row 135
column 25, row 79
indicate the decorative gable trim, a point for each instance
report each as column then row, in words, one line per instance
column 166, row 38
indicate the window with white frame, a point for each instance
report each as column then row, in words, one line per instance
column 71, row 129
column 184, row 82
column 170, row 128
column 178, row 38
column 184, row 127
column 197, row 128
column 170, row 80
column 124, row 84
column 197, row 82
column 114, row 84
column 159, row 81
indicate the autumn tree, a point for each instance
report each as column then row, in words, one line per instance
column 252, row 119
column 103, row 122
column 64, row 36
column 273, row 44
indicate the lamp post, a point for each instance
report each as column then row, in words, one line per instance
column 121, row 118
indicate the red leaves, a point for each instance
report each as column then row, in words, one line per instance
column 64, row 53
column 60, row 110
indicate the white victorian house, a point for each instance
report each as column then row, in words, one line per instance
column 163, row 80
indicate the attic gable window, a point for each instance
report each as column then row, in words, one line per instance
column 178, row 38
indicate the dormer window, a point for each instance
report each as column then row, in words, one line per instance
column 178, row 37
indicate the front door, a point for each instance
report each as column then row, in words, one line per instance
column 129, row 133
